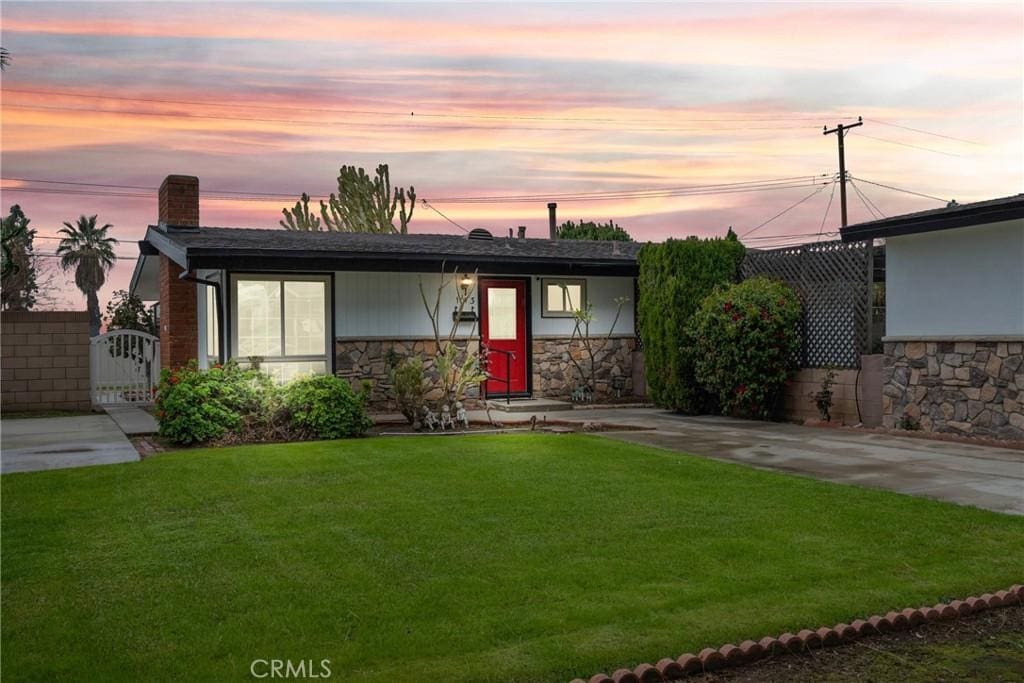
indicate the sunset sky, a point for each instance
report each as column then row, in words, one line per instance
column 523, row 99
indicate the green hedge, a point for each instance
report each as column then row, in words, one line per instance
column 675, row 276
column 227, row 404
column 746, row 339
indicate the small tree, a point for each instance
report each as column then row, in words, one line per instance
column 362, row 204
column 127, row 311
column 457, row 368
column 593, row 231
column 592, row 347
column 19, row 285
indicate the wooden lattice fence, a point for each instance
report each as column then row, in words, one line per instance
column 832, row 280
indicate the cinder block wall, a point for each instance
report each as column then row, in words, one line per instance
column 44, row 360
column 800, row 406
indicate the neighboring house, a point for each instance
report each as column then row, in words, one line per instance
column 340, row 302
column 954, row 317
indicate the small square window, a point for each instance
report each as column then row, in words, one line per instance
column 562, row 298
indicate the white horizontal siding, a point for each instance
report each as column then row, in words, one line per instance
column 389, row 305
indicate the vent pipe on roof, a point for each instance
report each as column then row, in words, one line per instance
column 552, row 221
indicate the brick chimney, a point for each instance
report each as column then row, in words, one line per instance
column 522, row 232
column 179, row 201
column 179, row 322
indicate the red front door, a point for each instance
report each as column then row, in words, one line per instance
column 503, row 329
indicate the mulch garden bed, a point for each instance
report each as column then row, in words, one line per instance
column 501, row 426
column 988, row 646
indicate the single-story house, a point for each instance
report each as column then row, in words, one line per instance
column 344, row 303
column 954, row 317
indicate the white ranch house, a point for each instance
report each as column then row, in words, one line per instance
column 343, row 303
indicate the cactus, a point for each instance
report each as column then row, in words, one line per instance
column 362, row 204
column 299, row 217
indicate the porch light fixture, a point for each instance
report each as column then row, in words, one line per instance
column 465, row 283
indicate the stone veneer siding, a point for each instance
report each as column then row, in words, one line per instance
column 554, row 374
column 359, row 360
column 959, row 387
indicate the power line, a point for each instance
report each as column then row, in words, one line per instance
column 865, row 197
column 907, row 144
column 146, row 187
column 900, row 189
column 926, row 132
column 863, row 201
column 539, row 197
column 831, row 196
column 785, row 211
column 638, row 191
column 365, row 124
column 138, row 191
column 369, row 112
column 595, row 198
column 442, row 215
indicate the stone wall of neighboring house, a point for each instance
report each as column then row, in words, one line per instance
column 554, row 374
column 44, row 360
column 847, row 388
column 959, row 387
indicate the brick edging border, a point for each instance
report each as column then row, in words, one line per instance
column 749, row 651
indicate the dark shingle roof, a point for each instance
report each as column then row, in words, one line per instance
column 943, row 218
column 206, row 244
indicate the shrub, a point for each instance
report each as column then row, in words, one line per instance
column 325, row 407
column 746, row 339
column 674, row 277
column 195, row 406
column 409, row 387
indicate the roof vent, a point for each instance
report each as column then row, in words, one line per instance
column 480, row 234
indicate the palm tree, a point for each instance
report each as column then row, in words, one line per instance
column 90, row 252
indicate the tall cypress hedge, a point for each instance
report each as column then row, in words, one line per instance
column 675, row 276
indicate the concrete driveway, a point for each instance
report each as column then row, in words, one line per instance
column 983, row 476
column 49, row 443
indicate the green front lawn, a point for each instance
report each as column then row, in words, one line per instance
column 527, row 557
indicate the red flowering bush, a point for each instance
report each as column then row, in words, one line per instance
column 746, row 337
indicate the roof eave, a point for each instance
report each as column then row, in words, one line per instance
column 911, row 225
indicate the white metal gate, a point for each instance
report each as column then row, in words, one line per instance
column 124, row 367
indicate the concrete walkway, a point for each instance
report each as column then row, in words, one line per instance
column 967, row 474
column 49, row 443
column 132, row 420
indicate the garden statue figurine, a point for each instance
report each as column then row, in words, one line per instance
column 446, row 418
column 460, row 415
column 429, row 418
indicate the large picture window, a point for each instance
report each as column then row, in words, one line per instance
column 282, row 323
column 562, row 297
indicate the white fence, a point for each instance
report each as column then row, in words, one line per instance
column 125, row 367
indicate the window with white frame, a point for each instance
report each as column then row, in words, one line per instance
column 281, row 322
column 562, row 297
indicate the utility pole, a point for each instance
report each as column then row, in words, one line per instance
column 840, row 131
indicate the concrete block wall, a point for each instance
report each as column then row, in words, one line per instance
column 44, row 360
column 800, row 406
